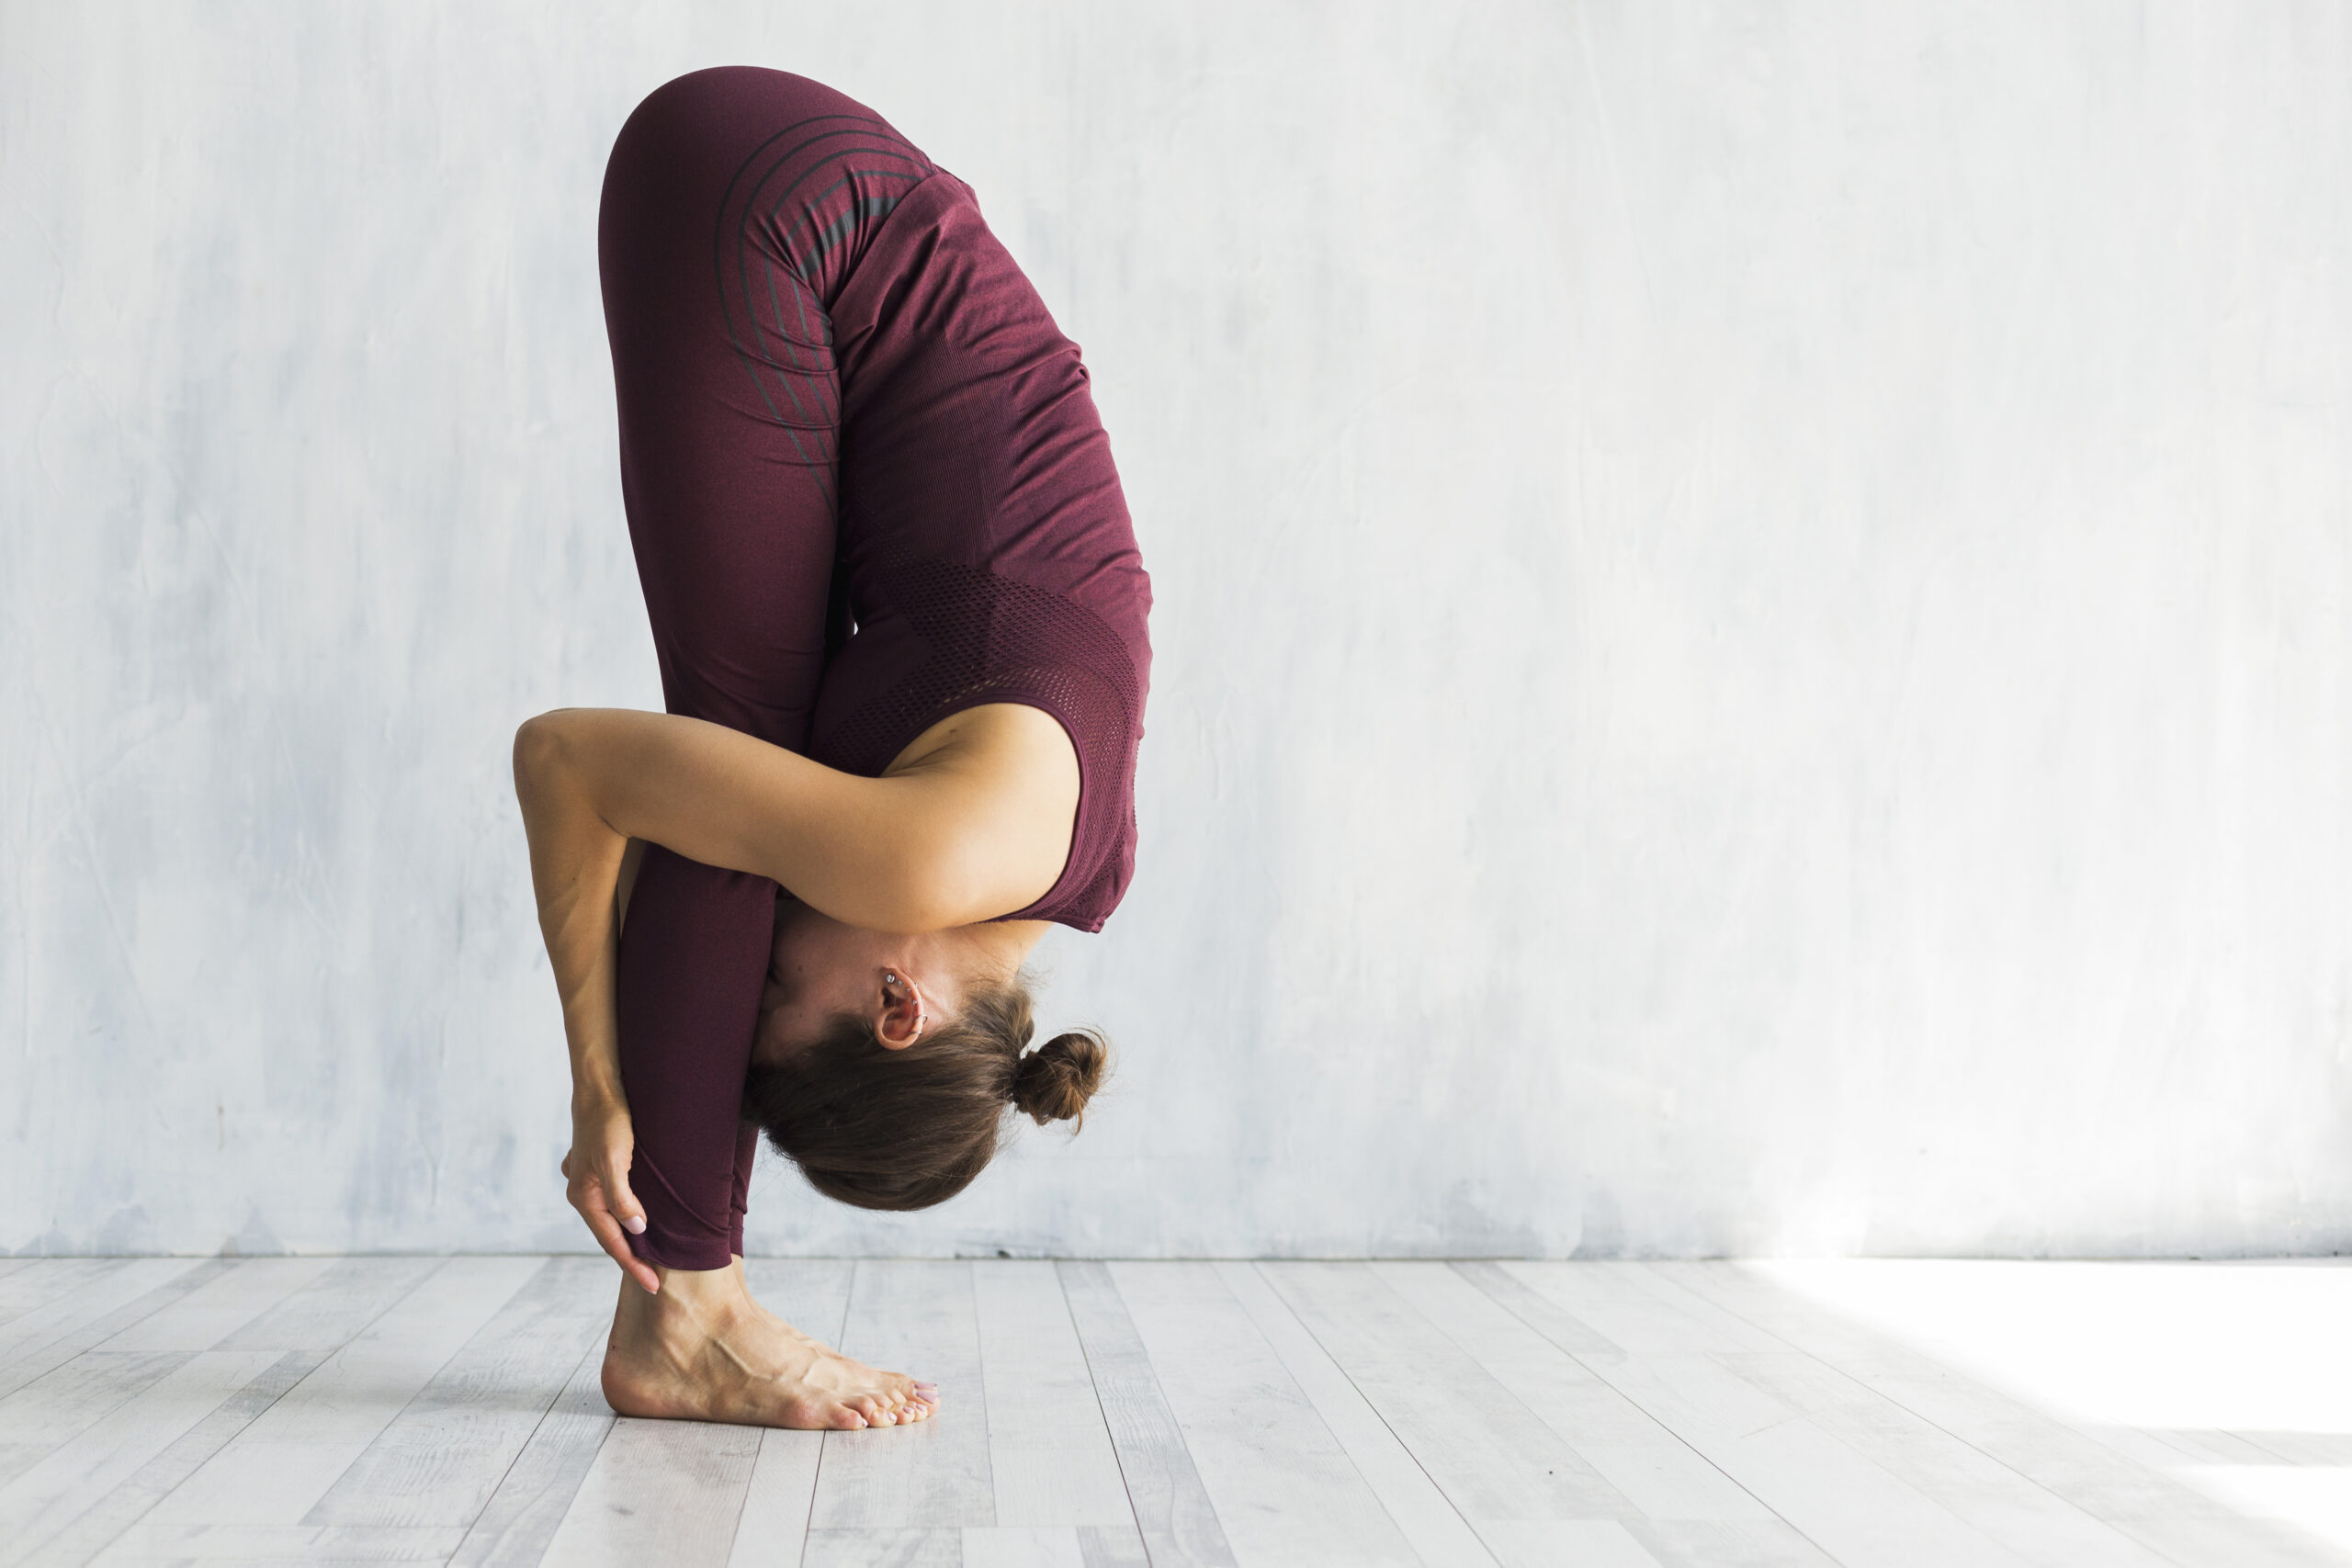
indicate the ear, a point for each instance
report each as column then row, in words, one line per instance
column 900, row 1015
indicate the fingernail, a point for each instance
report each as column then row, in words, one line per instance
column 634, row 1225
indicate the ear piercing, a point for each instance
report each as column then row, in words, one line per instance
column 890, row 977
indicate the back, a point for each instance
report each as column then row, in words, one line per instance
column 985, row 552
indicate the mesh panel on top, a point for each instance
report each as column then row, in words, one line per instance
column 989, row 638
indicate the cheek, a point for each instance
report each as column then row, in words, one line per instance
column 782, row 1028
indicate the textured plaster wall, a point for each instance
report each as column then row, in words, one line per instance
column 1752, row 644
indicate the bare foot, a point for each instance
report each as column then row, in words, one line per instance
column 702, row 1350
column 736, row 1264
column 852, row 1369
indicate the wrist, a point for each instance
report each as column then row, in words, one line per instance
column 597, row 1101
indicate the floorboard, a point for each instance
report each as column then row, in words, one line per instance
column 769, row 1532
column 1859, row 1512
column 2067, row 1463
column 83, row 1468
column 1434, row 1527
column 60, row 1404
column 97, row 1527
column 1659, row 1473
column 49, row 1335
column 537, row 1492
column 275, row 1471
column 1177, row 1523
column 917, row 1318
column 36, row 1280
column 1050, row 1459
column 222, row 1305
column 334, row 1307
column 1282, row 1485
column 1493, row 1456
column 439, row 1459
column 1721, row 1543
column 666, row 1492
column 2035, row 1523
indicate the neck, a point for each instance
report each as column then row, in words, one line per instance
column 1000, row 947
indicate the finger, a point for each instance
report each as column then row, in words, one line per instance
column 618, row 1197
column 607, row 1232
column 608, row 1235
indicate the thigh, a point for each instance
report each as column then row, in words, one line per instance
column 729, row 418
column 720, row 216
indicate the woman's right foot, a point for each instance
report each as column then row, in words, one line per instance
column 701, row 1350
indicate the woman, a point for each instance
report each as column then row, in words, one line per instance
column 900, row 618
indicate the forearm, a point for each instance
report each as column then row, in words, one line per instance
column 576, row 858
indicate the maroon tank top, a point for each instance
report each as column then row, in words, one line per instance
column 984, row 551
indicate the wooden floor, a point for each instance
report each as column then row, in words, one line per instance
column 433, row 1410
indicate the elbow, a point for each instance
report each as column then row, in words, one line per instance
column 539, row 746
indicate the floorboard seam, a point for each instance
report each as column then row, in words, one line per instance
column 1971, row 1446
column 1379, row 1414
column 516, row 1458
column 1095, row 1388
column 42, row 1553
column 1577, row 1356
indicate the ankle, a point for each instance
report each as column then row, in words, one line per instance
column 709, row 1300
column 701, row 1285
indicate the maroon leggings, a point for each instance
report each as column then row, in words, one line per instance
column 729, row 407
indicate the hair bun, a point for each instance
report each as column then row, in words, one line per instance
column 1053, row 1082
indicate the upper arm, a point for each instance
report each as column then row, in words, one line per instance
column 905, row 854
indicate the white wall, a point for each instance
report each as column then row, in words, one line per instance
column 1751, row 633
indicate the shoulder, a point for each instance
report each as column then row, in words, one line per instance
column 992, row 804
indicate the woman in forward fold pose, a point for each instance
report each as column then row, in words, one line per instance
column 900, row 618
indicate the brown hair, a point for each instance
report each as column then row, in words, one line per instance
column 906, row 1129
